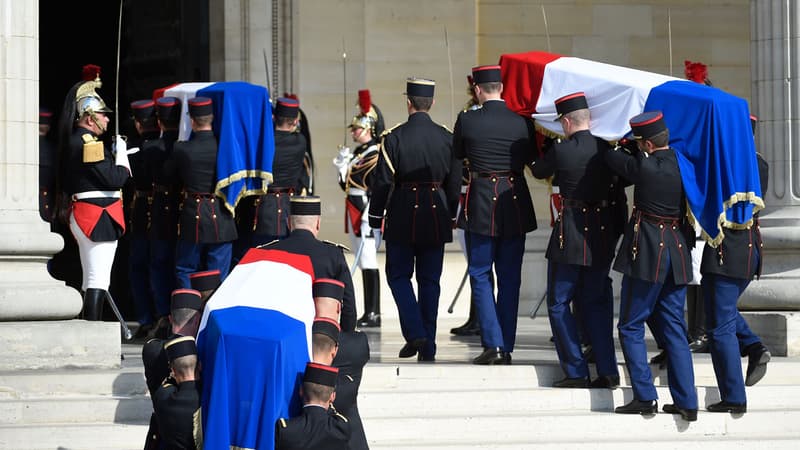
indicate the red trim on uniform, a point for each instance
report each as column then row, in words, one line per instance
column 322, row 367
column 293, row 105
column 329, row 320
column 329, row 281
column 568, row 97
column 49, row 114
column 353, row 215
column 480, row 68
column 142, row 104
column 659, row 116
column 202, row 102
column 167, row 101
column 186, row 291
column 87, row 215
column 753, row 118
column 205, row 273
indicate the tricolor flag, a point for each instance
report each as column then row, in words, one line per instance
column 709, row 128
column 244, row 130
column 253, row 344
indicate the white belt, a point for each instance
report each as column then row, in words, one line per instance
column 96, row 194
column 464, row 188
column 356, row 191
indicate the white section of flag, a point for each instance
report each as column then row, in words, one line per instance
column 184, row 92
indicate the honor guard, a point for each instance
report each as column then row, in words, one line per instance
column 47, row 165
column 163, row 231
column 207, row 228
column 177, row 400
column 418, row 170
column 206, row 283
column 498, row 212
column 326, row 257
column 579, row 252
column 727, row 270
column 356, row 173
column 656, row 265
column 306, row 186
column 318, row 427
column 93, row 176
column 352, row 356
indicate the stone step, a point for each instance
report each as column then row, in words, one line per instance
column 408, row 428
column 76, row 409
column 708, row 443
column 70, row 436
column 124, row 381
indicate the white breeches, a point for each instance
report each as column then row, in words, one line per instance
column 96, row 258
column 369, row 258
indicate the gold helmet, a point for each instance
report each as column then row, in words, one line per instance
column 87, row 101
column 367, row 116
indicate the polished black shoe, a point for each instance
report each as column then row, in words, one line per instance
column 660, row 359
column 645, row 408
column 572, row 383
column 725, row 407
column 411, row 348
column 370, row 320
column 689, row 415
column 471, row 328
column 757, row 358
column 699, row 345
column 588, row 354
column 507, row 358
column 491, row 357
column 605, row 382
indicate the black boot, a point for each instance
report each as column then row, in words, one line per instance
column 93, row 301
column 372, row 299
column 472, row 327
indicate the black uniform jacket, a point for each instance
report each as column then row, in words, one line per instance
column 104, row 175
column 328, row 262
column 498, row 143
column 583, row 232
column 176, row 406
column 351, row 358
column 314, row 429
column 739, row 253
column 166, row 189
column 269, row 213
column 142, row 186
column 657, row 227
column 47, row 178
column 203, row 218
column 418, row 169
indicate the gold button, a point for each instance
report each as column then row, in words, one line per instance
column 612, row 185
column 414, row 188
column 583, row 210
column 434, row 206
column 660, row 244
column 598, row 209
column 515, row 197
column 661, row 226
column 213, row 216
column 602, row 227
column 749, row 245
column 279, row 210
column 680, row 245
column 197, row 217
column 416, row 206
column 198, row 200
column 613, row 203
column 748, row 227
column 494, row 180
column 585, row 228
column 511, row 179
column 433, row 189
column 258, row 201
column 494, row 199
column 212, row 200
column 166, row 193
column 46, row 206
column 45, row 192
column 166, row 208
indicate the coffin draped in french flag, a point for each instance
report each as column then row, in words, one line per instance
column 709, row 128
column 253, row 343
column 244, row 130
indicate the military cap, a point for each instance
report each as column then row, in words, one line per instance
column 571, row 102
column 419, row 87
column 143, row 109
column 205, row 281
column 486, row 74
column 180, row 346
column 647, row 124
column 168, row 109
column 326, row 326
column 45, row 116
column 186, row 298
column 320, row 374
column 200, row 106
column 305, row 205
column 287, row 107
column 753, row 122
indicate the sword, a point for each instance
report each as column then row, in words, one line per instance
column 458, row 292
column 116, row 83
column 114, row 308
column 535, row 309
column 344, row 99
column 358, row 256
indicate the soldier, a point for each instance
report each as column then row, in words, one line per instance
column 326, row 257
column 727, row 270
column 205, row 282
column 578, row 253
column 498, row 211
column 306, row 186
column 93, row 177
column 318, row 427
column 352, row 356
column 207, row 228
column 418, row 169
column 356, row 170
column 139, row 262
column 163, row 230
column 657, row 266
column 177, row 401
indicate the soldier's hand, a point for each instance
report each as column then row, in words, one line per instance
column 121, row 152
column 376, row 232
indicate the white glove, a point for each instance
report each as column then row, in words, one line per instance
column 376, row 232
column 121, row 152
column 342, row 161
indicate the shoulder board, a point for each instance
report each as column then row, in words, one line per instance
column 167, row 383
column 445, row 127
column 153, row 340
column 87, row 137
column 387, row 131
column 283, row 422
column 93, row 150
column 268, row 243
column 341, row 417
column 336, row 244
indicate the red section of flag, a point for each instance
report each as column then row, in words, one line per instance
column 522, row 75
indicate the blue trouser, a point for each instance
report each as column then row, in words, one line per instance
column 417, row 312
column 586, row 286
column 721, row 294
column 139, row 274
column 498, row 320
column 639, row 300
column 189, row 258
column 745, row 335
column 162, row 269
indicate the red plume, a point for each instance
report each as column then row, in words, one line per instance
column 695, row 71
column 291, row 96
column 364, row 101
column 90, row 72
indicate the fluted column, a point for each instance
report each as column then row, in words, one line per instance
column 775, row 47
column 27, row 292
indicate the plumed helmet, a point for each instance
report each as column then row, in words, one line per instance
column 87, row 101
column 367, row 116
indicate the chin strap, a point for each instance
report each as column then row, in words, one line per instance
column 97, row 122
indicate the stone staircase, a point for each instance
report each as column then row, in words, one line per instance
column 405, row 405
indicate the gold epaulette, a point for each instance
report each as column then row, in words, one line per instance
column 336, row 244
column 92, row 149
column 341, row 417
column 389, row 130
column 268, row 243
column 283, row 422
column 445, row 127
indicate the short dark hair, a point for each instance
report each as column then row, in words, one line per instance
column 421, row 103
column 204, row 120
column 281, row 121
column 322, row 342
column 315, row 392
column 491, row 87
column 169, row 124
column 660, row 139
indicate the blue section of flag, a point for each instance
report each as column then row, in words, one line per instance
column 711, row 131
column 253, row 361
column 243, row 123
